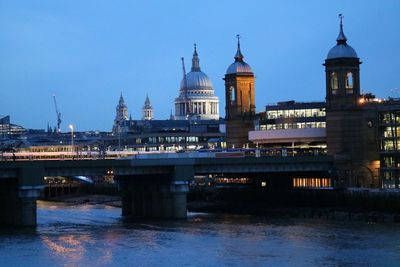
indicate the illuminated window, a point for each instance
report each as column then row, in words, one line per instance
column 312, row 182
column 349, row 80
column 349, row 83
column 334, row 82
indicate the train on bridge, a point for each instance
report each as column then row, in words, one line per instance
column 124, row 154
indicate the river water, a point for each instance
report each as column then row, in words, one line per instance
column 95, row 235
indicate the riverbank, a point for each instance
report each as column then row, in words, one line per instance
column 97, row 199
column 247, row 208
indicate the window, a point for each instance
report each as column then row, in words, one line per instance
column 349, row 83
column 232, row 94
column 334, row 82
column 349, row 80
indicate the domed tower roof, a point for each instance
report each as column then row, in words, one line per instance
column 341, row 49
column 239, row 66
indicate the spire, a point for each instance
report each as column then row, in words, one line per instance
column 121, row 99
column 341, row 39
column 239, row 56
column 147, row 101
column 195, row 60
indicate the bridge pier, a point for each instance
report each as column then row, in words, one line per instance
column 18, row 197
column 156, row 197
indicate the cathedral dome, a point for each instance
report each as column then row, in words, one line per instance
column 196, row 80
column 341, row 49
column 239, row 66
column 196, row 98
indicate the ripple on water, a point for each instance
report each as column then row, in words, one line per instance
column 97, row 236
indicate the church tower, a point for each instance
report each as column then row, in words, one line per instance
column 239, row 101
column 350, row 132
column 147, row 110
column 121, row 114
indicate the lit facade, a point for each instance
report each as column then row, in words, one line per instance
column 291, row 125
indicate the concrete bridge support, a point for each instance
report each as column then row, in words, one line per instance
column 18, row 198
column 156, row 197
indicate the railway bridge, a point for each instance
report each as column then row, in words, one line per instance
column 150, row 186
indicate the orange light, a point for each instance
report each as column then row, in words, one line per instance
column 361, row 100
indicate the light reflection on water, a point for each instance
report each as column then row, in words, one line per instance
column 97, row 236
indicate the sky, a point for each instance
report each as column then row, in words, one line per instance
column 87, row 53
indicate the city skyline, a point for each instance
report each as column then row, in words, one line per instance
column 88, row 54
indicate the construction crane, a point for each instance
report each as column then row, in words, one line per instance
column 58, row 114
column 188, row 110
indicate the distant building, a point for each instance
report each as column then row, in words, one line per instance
column 196, row 98
column 7, row 129
column 147, row 110
column 121, row 115
column 160, row 135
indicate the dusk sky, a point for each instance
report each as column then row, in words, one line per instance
column 88, row 52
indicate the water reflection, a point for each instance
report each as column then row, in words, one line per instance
column 96, row 236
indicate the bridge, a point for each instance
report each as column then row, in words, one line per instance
column 151, row 186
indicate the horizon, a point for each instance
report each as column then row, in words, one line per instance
column 87, row 56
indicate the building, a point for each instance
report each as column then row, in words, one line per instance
column 160, row 135
column 291, row 125
column 7, row 129
column 147, row 110
column 389, row 137
column 196, row 98
column 239, row 101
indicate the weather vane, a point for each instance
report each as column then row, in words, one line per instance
column 341, row 18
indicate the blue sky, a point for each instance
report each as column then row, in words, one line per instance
column 88, row 52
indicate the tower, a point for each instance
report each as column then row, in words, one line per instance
column 147, row 110
column 239, row 101
column 351, row 137
column 121, row 114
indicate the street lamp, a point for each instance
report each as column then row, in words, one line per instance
column 72, row 137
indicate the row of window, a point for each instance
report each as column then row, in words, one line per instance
column 312, row 182
column 390, row 179
column 390, row 145
column 390, row 117
column 197, row 108
column 168, row 139
column 299, row 125
column 390, row 162
column 296, row 113
column 391, row 131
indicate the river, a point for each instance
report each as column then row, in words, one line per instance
column 95, row 235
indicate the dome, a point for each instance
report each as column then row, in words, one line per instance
column 196, row 98
column 196, row 80
column 239, row 67
column 341, row 49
